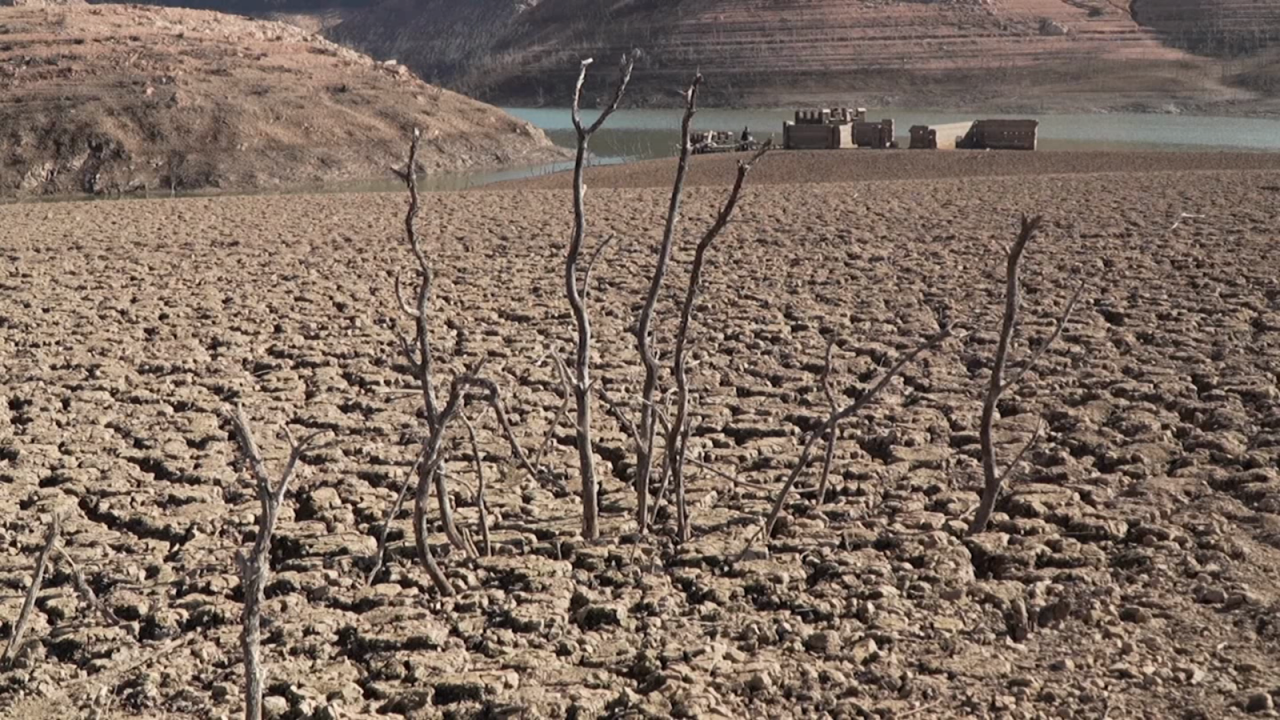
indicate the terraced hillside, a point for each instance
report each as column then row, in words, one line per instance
column 1079, row 53
column 1220, row 27
column 106, row 98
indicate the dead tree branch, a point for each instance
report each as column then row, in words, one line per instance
column 993, row 480
column 255, row 568
column 86, row 593
column 29, row 604
column 834, row 419
column 834, row 433
column 380, row 553
column 577, row 295
column 566, row 393
column 433, row 458
column 677, row 445
column 479, row 466
column 647, row 429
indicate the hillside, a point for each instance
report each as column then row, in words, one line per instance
column 1217, row 27
column 1017, row 53
column 113, row 98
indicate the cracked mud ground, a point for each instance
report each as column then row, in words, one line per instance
column 1133, row 568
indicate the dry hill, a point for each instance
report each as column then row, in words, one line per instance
column 1015, row 53
column 108, row 98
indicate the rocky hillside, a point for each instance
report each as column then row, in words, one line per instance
column 1035, row 53
column 106, row 98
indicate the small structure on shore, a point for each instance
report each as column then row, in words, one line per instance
column 836, row 129
column 977, row 135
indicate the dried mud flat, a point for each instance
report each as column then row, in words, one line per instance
column 1133, row 569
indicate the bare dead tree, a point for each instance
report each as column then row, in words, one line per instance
column 647, row 429
column 254, row 569
column 28, row 605
column 831, row 422
column 480, row 502
column 420, row 357
column 998, row 386
column 677, row 439
column 577, row 296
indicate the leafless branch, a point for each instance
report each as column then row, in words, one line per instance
column 566, row 394
column 494, row 399
column 255, row 568
column 380, row 553
column 420, row 312
column 833, row 434
column 834, row 419
column 577, row 297
column 676, row 441
column 591, row 264
column 647, row 433
column 1057, row 332
column 28, row 605
column 993, row 481
column 480, row 502
column 86, row 593
column 401, row 301
column 624, row 77
column 737, row 481
column 428, row 471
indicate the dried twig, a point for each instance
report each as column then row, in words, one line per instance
column 577, row 296
column 254, row 569
column 86, row 593
column 993, row 481
column 677, row 445
column 647, row 434
column 834, row 433
column 380, row 553
column 566, row 393
column 29, row 604
column 835, row 418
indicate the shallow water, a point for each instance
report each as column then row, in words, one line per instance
column 644, row 134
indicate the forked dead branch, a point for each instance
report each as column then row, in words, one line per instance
column 577, row 293
column 644, row 334
column 33, row 590
column 993, row 480
column 255, row 568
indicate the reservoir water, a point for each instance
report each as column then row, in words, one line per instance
column 644, row 134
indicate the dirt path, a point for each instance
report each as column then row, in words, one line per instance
column 1141, row 540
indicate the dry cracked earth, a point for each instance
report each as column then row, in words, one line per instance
column 1132, row 571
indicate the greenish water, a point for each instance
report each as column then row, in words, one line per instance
column 643, row 134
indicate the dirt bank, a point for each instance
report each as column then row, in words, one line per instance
column 1133, row 570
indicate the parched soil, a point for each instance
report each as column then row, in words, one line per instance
column 1133, row 568
column 110, row 99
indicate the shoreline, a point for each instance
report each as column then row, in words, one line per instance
column 788, row 167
